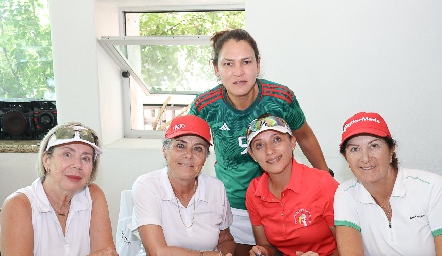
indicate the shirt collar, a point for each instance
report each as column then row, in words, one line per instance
column 363, row 196
column 295, row 177
column 262, row 188
column 399, row 185
column 201, row 193
column 79, row 202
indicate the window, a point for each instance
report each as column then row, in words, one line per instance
column 167, row 56
column 26, row 50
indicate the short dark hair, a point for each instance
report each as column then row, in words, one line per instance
column 390, row 142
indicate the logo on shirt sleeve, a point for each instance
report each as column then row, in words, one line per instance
column 303, row 217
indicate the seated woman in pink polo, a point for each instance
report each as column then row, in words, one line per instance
column 290, row 205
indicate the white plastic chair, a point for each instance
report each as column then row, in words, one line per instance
column 127, row 243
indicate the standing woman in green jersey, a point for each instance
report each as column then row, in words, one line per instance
column 231, row 106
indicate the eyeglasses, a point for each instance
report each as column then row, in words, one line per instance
column 83, row 133
column 269, row 121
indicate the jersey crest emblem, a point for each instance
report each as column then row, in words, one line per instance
column 303, row 217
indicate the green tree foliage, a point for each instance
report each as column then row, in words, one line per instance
column 175, row 68
column 26, row 68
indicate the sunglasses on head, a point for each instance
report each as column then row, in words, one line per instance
column 269, row 121
column 70, row 133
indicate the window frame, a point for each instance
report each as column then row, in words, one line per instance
column 109, row 45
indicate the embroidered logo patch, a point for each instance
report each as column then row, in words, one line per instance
column 303, row 217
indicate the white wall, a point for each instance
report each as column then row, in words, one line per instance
column 17, row 170
column 342, row 57
column 339, row 57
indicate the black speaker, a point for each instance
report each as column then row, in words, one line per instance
column 16, row 119
column 45, row 117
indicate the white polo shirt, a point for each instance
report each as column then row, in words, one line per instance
column 155, row 203
column 416, row 203
column 48, row 235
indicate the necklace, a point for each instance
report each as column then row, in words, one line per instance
column 60, row 213
column 194, row 207
column 63, row 214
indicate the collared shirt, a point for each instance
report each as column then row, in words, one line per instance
column 301, row 220
column 155, row 203
column 48, row 235
column 416, row 203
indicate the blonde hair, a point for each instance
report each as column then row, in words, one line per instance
column 41, row 171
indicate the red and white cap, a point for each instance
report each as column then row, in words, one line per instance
column 365, row 122
column 188, row 125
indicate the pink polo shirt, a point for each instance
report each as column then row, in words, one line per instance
column 301, row 220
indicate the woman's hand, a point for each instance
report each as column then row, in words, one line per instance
column 258, row 250
column 108, row 251
column 309, row 253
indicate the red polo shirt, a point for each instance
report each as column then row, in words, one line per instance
column 301, row 220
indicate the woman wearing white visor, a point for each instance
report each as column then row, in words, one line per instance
column 62, row 212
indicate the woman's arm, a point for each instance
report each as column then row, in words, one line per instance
column 310, row 146
column 226, row 244
column 17, row 234
column 349, row 241
column 152, row 237
column 263, row 247
column 100, row 231
column 438, row 244
column 333, row 230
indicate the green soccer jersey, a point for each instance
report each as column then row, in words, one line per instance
column 234, row 167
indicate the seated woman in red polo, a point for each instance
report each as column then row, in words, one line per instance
column 290, row 205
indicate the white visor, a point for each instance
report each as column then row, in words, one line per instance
column 53, row 141
column 284, row 128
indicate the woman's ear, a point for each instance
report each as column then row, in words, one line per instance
column 45, row 160
column 293, row 142
column 251, row 154
column 345, row 157
column 393, row 149
column 164, row 152
column 215, row 69
column 392, row 153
